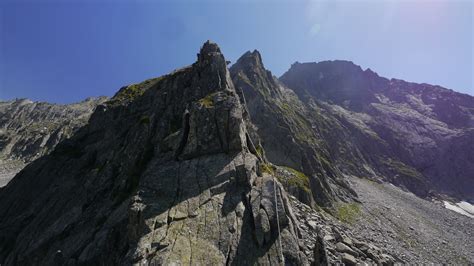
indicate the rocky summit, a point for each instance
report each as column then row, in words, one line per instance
column 328, row 164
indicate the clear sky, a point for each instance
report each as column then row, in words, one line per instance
column 65, row 51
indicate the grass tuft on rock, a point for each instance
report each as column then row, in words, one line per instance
column 259, row 150
column 267, row 168
column 298, row 179
column 131, row 92
column 348, row 212
column 207, row 102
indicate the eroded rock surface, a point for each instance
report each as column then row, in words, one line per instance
column 162, row 174
column 29, row 130
column 286, row 132
column 198, row 167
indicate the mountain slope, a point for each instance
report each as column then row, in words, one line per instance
column 286, row 132
column 415, row 135
column 29, row 130
column 194, row 168
column 162, row 173
column 416, row 230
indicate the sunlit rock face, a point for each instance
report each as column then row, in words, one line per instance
column 196, row 167
column 415, row 135
column 164, row 173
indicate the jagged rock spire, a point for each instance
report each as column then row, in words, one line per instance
column 208, row 49
column 252, row 59
column 250, row 66
column 211, row 70
column 165, row 179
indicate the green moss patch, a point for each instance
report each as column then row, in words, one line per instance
column 129, row 93
column 298, row 179
column 133, row 91
column 347, row 212
column 208, row 101
column 267, row 168
column 259, row 150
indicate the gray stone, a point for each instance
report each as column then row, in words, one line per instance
column 312, row 224
column 348, row 259
column 346, row 240
column 161, row 174
column 341, row 247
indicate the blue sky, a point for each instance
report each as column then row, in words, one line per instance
column 65, row 51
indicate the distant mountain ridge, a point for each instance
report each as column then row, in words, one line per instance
column 414, row 131
column 29, row 130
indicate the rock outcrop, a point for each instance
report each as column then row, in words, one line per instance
column 207, row 165
column 163, row 173
column 286, row 132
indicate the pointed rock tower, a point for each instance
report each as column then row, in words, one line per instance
column 287, row 131
column 163, row 173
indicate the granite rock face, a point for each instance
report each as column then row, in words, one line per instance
column 162, row 174
column 286, row 132
column 29, row 130
column 417, row 136
column 207, row 165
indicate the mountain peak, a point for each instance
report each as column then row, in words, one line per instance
column 208, row 50
column 252, row 59
column 194, row 167
column 329, row 65
column 176, row 155
column 250, row 65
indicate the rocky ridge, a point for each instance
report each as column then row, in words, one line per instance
column 194, row 167
column 351, row 144
column 417, row 136
column 286, row 132
column 163, row 173
column 29, row 130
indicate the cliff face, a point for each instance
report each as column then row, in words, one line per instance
column 286, row 131
column 194, row 167
column 29, row 130
column 415, row 135
column 164, row 172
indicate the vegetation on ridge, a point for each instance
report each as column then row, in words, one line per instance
column 267, row 168
column 208, row 101
column 298, row 179
column 133, row 91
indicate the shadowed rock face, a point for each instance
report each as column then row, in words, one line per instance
column 286, row 131
column 415, row 135
column 29, row 130
column 162, row 173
